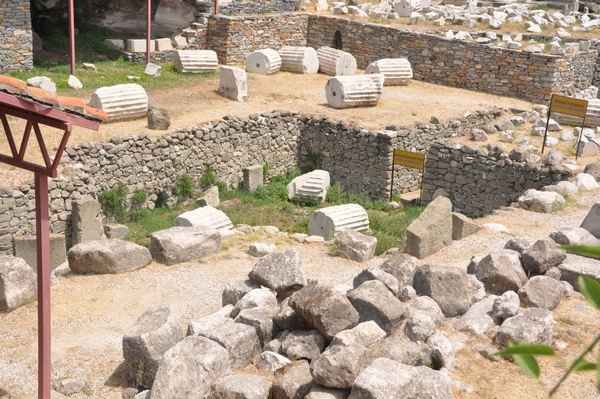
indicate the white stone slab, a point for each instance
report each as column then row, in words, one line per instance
column 354, row 91
column 309, row 185
column 163, row 44
column 139, row 45
column 195, row 61
column 125, row 101
column 233, row 84
column 327, row 222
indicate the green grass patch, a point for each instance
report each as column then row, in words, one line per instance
column 390, row 227
column 143, row 223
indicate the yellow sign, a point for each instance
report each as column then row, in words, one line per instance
column 410, row 159
column 568, row 106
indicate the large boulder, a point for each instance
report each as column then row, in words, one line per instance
column 190, row 368
column 156, row 331
column 257, row 298
column 428, row 384
column 375, row 302
column 18, row 283
column 541, row 201
column 403, row 267
column 242, row 386
column 542, row 255
column 575, row 266
column 542, row 292
column 585, row 182
column 294, row 383
column 384, row 378
column 448, row 286
column 108, row 257
column 281, row 271
column 425, row 305
column 403, row 351
column 365, row 334
column 236, row 289
column 325, row 309
column 182, row 244
column 387, row 279
column 593, row 169
column 340, row 364
column 262, row 321
column 529, row 326
column 356, row 245
column 592, row 221
column 501, row 271
column 574, row 236
column 303, row 344
column 432, row 230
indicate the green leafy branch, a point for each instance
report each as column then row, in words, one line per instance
column 523, row 354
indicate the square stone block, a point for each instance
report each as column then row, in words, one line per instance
column 253, row 177
column 163, row 44
column 25, row 247
column 139, row 45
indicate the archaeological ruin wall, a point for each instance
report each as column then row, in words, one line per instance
column 16, row 37
column 459, row 63
column 258, row 7
column 476, row 182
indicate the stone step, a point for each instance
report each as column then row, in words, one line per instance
column 336, row 62
column 124, row 101
column 299, row 59
column 327, row 222
column 313, row 184
column 195, row 61
column 354, row 91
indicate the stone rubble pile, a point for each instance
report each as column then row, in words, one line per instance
column 374, row 336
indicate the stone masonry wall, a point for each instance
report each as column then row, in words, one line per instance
column 360, row 160
column 459, row 63
column 16, row 37
column 233, row 38
column 258, row 7
column 478, row 183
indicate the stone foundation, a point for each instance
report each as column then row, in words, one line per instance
column 16, row 37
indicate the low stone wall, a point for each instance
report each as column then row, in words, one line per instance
column 258, row 7
column 16, row 37
column 458, row 63
column 233, row 38
column 478, row 183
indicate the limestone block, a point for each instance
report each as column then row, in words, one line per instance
column 529, row 326
column 182, row 244
column 114, row 44
column 294, row 382
column 25, row 248
column 308, row 186
column 205, row 216
column 384, row 378
column 115, row 230
column 18, row 283
column 139, row 45
column 163, row 44
column 209, row 197
column 448, row 286
column 326, row 222
column 108, row 257
column 374, row 301
column 541, row 292
column 432, row 230
column 356, row 246
column 397, row 71
column 264, row 62
column 232, row 83
column 253, row 177
column 463, row 226
column 354, row 91
column 336, row 62
column 236, row 289
column 124, row 101
column 152, row 70
column 246, row 386
column 281, row 271
column 86, row 221
column 144, row 344
column 195, row 61
column 299, row 59
column 592, row 221
column 575, row 266
column 179, row 42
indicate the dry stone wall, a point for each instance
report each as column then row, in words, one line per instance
column 16, row 37
column 478, row 183
column 459, row 63
column 360, row 160
column 258, row 7
column 233, row 38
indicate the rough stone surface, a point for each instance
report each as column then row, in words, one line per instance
column 384, row 378
column 529, row 326
column 448, row 286
column 403, row 267
column 374, row 301
column 355, row 245
column 541, row 201
column 390, row 281
column 18, row 283
column 189, row 369
column 501, row 271
column 262, row 321
column 463, row 226
column 303, row 344
column 235, row 290
column 575, row 266
column 257, row 298
column 272, row 361
column 365, row 334
column 426, row 305
column 573, row 236
column 428, row 383
column 232, row 83
column 108, row 257
column 324, row 309
column 542, row 255
column 295, row 382
column 281, row 271
column 592, row 221
column 541, row 292
column 182, row 244
column 478, row 318
column 432, row 230
column 506, row 305
column 242, row 386
column 419, row 327
column 339, row 365
column 404, row 351
column 144, row 344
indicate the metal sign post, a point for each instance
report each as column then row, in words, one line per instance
column 36, row 115
column 409, row 159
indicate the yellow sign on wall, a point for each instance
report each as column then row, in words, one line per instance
column 410, row 159
column 568, row 106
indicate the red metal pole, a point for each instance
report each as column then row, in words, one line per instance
column 42, row 225
column 72, row 35
column 216, row 7
column 148, row 30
